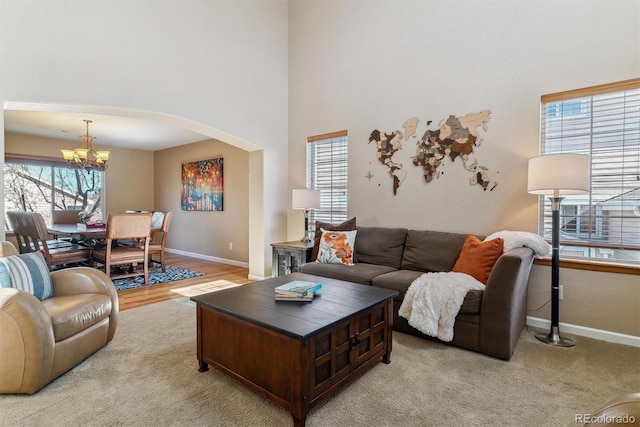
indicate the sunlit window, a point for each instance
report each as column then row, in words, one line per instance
column 327, row 159
column 47, row 186
column 603, row 122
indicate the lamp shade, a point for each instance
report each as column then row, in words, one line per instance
column 306, row 199
column 563, row 173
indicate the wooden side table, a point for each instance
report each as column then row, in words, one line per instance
column 289, row 256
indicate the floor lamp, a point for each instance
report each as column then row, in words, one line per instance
column 306, row 200
column 557, row 175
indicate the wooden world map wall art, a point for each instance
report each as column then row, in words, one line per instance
column 456, row 138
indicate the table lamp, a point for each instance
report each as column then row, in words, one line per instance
column 557, row 175
column 306, row 200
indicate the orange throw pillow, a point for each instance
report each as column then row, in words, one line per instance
column 477, row 258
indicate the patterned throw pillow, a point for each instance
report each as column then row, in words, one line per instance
column 347, row 225
column 27, row 272
column 336, row 247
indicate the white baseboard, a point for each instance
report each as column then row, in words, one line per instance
column 584, row 331
column 209, row 258
column 255, row 278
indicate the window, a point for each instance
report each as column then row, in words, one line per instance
column 43, row 185
column 563, row 109
column 603, row 122
column 327, row 158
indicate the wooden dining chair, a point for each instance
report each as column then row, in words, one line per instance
column 159, row 231
column 33, row 230
column 15, row 222
column 64, row 216
column 126, row 226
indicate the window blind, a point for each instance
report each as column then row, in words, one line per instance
column 603, row 122
column 327, row 160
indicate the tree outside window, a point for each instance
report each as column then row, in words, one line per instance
column 46, row 187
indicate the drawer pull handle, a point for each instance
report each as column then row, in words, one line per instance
column 355, row 342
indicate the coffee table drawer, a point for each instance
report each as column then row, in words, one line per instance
column 337, row 352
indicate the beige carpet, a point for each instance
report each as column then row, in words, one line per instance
column 148, row 376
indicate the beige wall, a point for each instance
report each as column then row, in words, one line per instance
column 144, row 180
column 592, row 299
column 206, row 233
column 128, row 180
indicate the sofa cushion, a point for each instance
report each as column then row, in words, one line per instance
column 380, row 246
column 472, row 302
column 401, row 280
column 28, row 272
column 348, row 225
column 357, row 273
column 75, row 313
column 478, row 258
column 336, row 247
column 431, row 250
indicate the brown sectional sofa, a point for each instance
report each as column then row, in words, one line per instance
column 489, row 321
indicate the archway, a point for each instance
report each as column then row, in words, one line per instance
column 255, row 174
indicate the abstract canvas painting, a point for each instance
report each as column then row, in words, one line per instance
column 202, row 185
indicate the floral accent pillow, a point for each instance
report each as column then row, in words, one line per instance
column 336, row 247
column 348, row 225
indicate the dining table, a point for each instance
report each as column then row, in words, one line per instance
column 78, row 233
column 89, row 234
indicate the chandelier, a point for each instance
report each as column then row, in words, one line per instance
column 86, row 158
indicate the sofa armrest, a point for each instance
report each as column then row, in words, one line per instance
column 504, row 303
column 86, row 280
column 26, row 342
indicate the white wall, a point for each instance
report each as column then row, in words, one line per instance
column 219, row 63
column 364, row 65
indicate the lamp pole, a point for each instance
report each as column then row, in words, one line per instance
column 553, row 337
column 306, row 238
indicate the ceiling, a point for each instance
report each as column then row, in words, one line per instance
column 109, row 130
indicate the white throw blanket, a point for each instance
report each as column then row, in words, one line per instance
column 433, row 301
column 516, row 239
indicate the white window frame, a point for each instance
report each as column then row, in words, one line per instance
column 327, row 171
column 606, row 126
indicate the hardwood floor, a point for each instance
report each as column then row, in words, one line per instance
column 139, row 297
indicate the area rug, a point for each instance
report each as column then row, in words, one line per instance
column 156, row 277
column 206, row 287
column 148, row 376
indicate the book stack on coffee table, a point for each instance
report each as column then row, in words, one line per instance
column 297, row 290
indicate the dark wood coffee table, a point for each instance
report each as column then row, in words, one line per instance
column 295, row 353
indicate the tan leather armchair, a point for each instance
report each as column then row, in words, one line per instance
column 41, row 340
